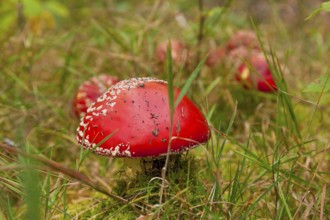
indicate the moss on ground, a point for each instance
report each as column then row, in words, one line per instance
column 143, row 188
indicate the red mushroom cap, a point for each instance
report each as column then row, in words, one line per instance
column 241, row 53
column 245, row 38
column 258, row 76
column 89, row 91
column 239, row 47
column 177, row 50
column 216, row 56
column 232, row 57
column 136, row 113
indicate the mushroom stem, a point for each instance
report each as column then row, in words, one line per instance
column 152, row 166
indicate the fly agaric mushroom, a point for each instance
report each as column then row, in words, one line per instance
column 240, row 54
column 178, row 51
column 243, row 38
column 132, row 119
column 216, row 56
column 89, row 91
column 239, row 47
column 256, row 74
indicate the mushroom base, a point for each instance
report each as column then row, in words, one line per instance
column 180, row 168
column 154, row 166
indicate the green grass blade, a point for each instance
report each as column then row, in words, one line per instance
column 286, row 206
column 170, row 81
column 83, row 154
column 256, row 202
column 31, row 192
column 231, row 123
column 111, row 34
column 325, row 6
column 172, row 109
column 189, row 81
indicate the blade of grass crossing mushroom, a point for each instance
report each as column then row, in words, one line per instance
column 170, row 81
column 171, row 105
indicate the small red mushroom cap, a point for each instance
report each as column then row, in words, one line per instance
column 240, row 54
column 256, row 74
column 239, row 47
column 243, row 38
column 216, row 56
column 90, row 90
column 132, row 119
column 178, row 50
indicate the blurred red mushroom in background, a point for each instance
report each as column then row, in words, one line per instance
column 256, row 74
column 178, row 50
column 90, row 90
column 240, row 54
column 239, row 47
column 216, row 56
column 132, row 119
column 243, row 38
